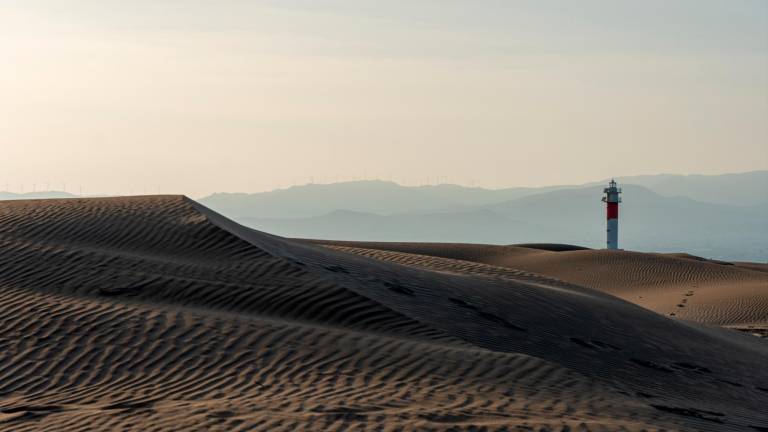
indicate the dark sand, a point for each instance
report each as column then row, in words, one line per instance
column 677, row 285
column 155, row 313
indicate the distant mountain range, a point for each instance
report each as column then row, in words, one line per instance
column 384, row 198
column 724, row 217
column 718, row 216
column 745, row 189
column 370, row 196
column 35, row 195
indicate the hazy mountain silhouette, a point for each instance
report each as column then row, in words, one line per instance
column 371, row 196
column 35, row 195
column 383, row 198
column 388, row 212
column 475, row 226
column 649, row 221
column 724, row 216
column 748, row 188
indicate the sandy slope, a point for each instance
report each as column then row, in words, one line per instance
column 680, row 285
column 154, row 313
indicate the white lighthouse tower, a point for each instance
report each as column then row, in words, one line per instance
column 612, row 200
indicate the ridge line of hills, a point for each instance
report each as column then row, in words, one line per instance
column 649, row 221
column 717, row 217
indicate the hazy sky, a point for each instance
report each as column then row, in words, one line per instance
column 196, row 96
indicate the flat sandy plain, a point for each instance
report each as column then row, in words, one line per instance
column 155, row 313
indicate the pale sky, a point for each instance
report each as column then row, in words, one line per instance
column 197, row 96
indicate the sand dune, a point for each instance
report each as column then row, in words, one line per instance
column 679, row 285
column 155, row 313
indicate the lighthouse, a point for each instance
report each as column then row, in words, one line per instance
column 612, row 200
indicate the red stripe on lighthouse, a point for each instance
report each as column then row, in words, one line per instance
column 613, row 210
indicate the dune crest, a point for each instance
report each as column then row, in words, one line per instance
column 679, row 285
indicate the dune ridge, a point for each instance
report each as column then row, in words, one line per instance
column 155, row 313
column 688, row 287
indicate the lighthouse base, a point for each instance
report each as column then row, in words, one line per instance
column 613, row 234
